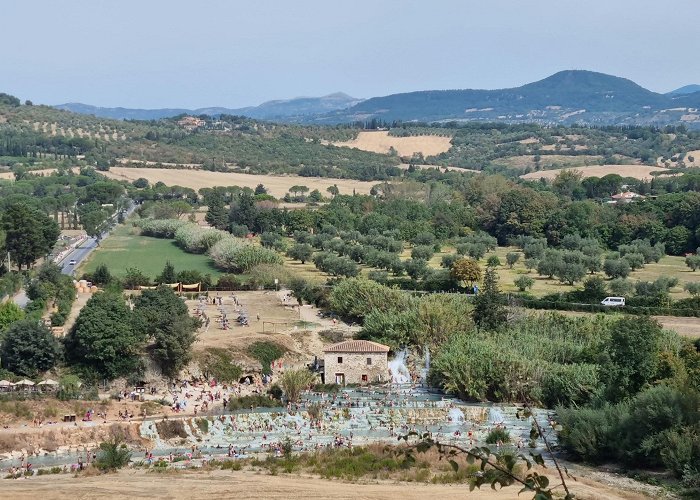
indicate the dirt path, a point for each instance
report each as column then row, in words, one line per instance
column 130, row 484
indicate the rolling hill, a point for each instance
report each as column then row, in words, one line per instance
column 567, row 97
column 290, row 110
column 688, row 89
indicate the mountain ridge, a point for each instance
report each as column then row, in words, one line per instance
column 287, row 109
column 566, row 97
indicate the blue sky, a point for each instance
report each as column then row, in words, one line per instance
column 156, row 53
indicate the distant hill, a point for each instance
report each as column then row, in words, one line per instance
column 573, row 96
column 688, row 89
column 567, row 97
column 285, row 110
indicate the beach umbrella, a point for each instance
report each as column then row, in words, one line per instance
column 48, row 381
column 25, row 382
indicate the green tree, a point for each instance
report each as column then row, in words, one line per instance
column 293, row 382
column 133, row 278
column 29, row 348
column 333, row 190
column 422, row 252
column 217, row 216
column 467, row 271
column 693, row 262
column 493, row 261
column 9, row 313
column 632, row 356
column 167, row 275
column 101, row 276
column 523, row 282
column 570, row 272
column 260, row 189
column 490, row 304
column 692, row 287
column 620, row 287
column 29, row 234
column 301, row 252
column 315, row 196
column 512, row 258
column 616, row 268
column 162, row 315
column 103, row 338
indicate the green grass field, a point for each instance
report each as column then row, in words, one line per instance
column 125, row 248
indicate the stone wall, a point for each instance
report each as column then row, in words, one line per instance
column 355, row 365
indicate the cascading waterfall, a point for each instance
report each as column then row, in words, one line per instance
column 496, row 416
column 426, row 365
column 456, row 416
column 398, row 369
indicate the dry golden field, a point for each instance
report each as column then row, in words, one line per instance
column 380, row 142
column 277, row 185
column 249, row 484
column 636, row 171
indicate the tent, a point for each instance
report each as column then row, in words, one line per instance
column 26, row 384
column 48, row 384
column 6, row 385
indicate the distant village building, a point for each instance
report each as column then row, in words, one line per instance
column 626, row 197
column 191, row 122
column 356, row 362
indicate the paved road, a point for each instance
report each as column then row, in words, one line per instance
column 80, row 253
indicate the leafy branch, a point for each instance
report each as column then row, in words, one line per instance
column 504, row 464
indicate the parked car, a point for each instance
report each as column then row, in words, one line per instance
column 71, row 262
column 613, row 301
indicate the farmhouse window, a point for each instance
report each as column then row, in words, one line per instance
column 340, row 359
column 369, row 361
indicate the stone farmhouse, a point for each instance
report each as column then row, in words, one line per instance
column 356, row 362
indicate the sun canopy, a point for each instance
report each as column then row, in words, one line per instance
column 6, row 383
column 48, row 382
column 25, row 382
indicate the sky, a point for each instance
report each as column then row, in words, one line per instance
column 190, row 54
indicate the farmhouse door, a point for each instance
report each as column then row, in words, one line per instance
column 340, row 378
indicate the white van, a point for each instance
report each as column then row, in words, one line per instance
column 613, row 301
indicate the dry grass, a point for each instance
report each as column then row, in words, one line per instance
column 381, row 142
column 635, row 171
column 248, row 484
column 528, row 161
column 277, row 185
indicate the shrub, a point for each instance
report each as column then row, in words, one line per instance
column 113, row 455
column 493, row 261
column 621, row 287
column 354, row 298
column 693, row 288
column 237, row 256
column 218, row 363
column 266, row 352
column 160, row 228
column 196, row 239
column 293, row 382
column 512, row 258
column 498, row 434
column 524, row 282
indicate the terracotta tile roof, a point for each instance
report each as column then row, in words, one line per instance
column 357, row 346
